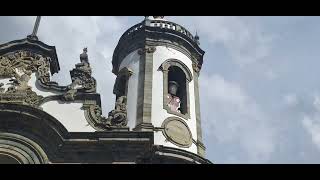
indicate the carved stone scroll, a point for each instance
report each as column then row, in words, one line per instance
column 117, row 119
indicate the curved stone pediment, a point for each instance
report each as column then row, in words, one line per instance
column 37, row 47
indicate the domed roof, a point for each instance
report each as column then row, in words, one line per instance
column 156, row 31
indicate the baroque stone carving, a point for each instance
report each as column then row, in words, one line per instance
column 1, row 88
column 117, row 118
column 82, row 80
column 196, row 68
column 18, row 66
column 24, row 62
column 93, row 114
column 195, row 64
column 147, row 49
column 27, row 97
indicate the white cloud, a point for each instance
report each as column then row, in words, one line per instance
column 71, row 34
column 241, row 36
column 291, row 99
column 224, row 91
column 271, row 75
column 234, row 119
column 312, row 125
column 316, row 102
column 311, row 122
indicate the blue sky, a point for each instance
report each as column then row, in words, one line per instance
column 260, row 94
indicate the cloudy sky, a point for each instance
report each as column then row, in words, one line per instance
column 260, row 93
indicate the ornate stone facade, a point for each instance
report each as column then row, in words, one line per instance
column 36, row 113
column 20, row 65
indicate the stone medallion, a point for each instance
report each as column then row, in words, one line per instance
column 177, row 132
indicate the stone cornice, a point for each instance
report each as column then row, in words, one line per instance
column 174, row 155
column 61, row 146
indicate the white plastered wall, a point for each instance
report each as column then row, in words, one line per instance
column 132, row 62
column 158, row 113
column 70, row 115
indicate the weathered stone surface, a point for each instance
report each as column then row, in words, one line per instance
column 32, row 136
column 145, row 89
column 18, row 66
column 177, row 132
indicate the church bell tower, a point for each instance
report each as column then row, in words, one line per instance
column 157, row 64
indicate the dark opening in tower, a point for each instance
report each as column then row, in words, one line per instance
column 121, row 85
column 178, row 77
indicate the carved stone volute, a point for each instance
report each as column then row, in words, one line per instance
column 118, row 116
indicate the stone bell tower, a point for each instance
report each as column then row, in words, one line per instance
column 157, row 64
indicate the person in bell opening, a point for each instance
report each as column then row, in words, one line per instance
column 173, row 100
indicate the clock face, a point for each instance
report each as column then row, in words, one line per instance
column 177, row 132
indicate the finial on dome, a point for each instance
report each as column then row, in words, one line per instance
column 197, row 38
column 158, row 17
column 155, row 17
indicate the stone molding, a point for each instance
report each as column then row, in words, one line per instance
column 22, row 149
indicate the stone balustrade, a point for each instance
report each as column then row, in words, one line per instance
column 160, row 24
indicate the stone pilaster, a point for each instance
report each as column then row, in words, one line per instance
column 144, row 105
column 200, row 145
